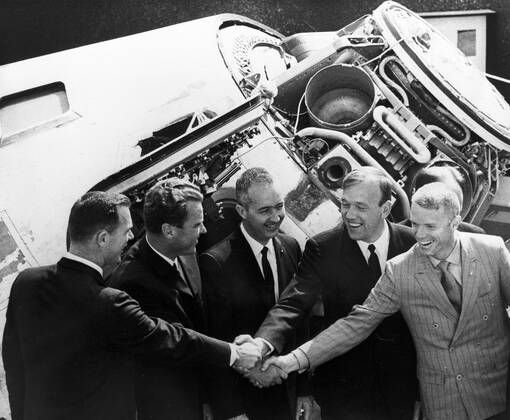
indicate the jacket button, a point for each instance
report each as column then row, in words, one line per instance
column 459, row 377
column 452, row 349
column 435, row 325
column 485, row 317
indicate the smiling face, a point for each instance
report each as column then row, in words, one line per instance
column 263, row 211
column 434, row 230
column 362, row 213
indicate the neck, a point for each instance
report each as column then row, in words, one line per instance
column 378, row 233
column 160, row 244
column 86, row 252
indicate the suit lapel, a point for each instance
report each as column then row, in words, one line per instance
column 283, row 264
column 350, row 252
column 395, row 245
column 190, row 267
column 470, row 286
column 429, row 280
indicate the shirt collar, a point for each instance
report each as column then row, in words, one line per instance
column 82, row 260
column 255, row 245
column 381, row 244
column 454, row 257
column 170, row 261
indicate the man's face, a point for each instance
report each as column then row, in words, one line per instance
column 265, row 212
column 434, row 230
column 186, row 237
column 118, row 239
column 364, row 218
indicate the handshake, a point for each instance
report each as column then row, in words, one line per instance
column 250, row 363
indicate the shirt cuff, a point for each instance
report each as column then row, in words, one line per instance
column 302, row 360
column 261, row 344
column 233, row 354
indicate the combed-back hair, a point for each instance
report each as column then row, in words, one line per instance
column 446, row 174
column 166, row 202
column 250, row 177
column 363, row 173
column 437, row 195
column 95, row 211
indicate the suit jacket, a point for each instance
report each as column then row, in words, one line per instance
column 68, row 341
column 237, row 301
column 462, row 362
column 164, row 389
column 333, row 266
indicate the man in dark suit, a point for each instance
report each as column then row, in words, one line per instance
column 68, row 338
column 376, row 380
column 452, row 178
column 243, row 278
column 161, row 272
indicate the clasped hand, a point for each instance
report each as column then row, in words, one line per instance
column 261, row 374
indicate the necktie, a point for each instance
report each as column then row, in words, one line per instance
column 452, row 288
column 373, row 264
column 268, row 273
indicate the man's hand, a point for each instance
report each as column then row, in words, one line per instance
column 287, row 363
column 248, row 353
column 263, row 379
column 307, row 408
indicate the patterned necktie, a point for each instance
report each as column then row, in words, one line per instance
column 452, row 288
column 268, row 273
column 373, row 264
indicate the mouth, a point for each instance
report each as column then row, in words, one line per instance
column 354, row 225
column 425, row 244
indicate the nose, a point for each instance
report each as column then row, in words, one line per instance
column 277, row 215
column 202, row 229
column 130, row 235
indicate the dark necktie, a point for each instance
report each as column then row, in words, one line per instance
column 373, row 264
column 268, row 273
column 452, row 288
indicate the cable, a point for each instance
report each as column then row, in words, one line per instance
column 297, row 114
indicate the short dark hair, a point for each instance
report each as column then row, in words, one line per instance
column 166, row 202
column 448, row 175
column 94, row 211
column 359, row 175
column 252, row 176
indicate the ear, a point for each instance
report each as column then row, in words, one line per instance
column 102, row 238
column 241, row 210
column 386, row 209
column 168, row 230
column 456, row 221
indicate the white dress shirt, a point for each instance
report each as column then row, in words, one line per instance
column 381, row 247
column 256, row 248
column 82, row 260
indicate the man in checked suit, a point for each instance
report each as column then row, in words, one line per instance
column 161, row 272
column 69, row 339
column 452, row 289
column 243, row 277
column 376, row 380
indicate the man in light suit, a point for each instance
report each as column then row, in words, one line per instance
column 376, row 380
column 452, row 289
column 69, row 339
column 243, row 277
column 161, row 272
